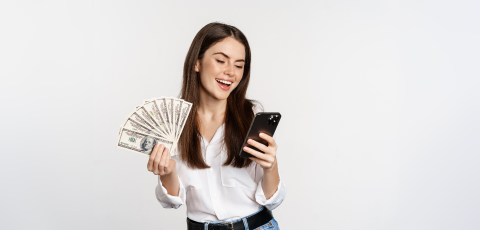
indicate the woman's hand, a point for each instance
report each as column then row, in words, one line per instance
column 267, row 160
column 160, row 162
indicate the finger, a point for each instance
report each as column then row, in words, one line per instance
column 167, row 163
column 258, row 145
column 262, row 163
column 158, row 157
column 269, row 139
column 255, row 153
column 163, row 162
column 152, row 157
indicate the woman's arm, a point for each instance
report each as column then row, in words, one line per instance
column 270, row 181
column 170, row 181
column 161, row 164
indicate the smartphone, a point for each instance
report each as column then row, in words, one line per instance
column 262, row 123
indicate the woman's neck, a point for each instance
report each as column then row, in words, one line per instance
column 211, row 113
column 210, row 108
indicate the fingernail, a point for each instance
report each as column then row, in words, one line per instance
column 261, row 134
column 245, row 148
column 250, row 141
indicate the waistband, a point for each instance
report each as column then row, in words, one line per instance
column 253, row 221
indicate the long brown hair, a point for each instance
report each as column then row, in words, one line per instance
column 238, row 114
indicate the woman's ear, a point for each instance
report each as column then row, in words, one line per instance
column 197, row 66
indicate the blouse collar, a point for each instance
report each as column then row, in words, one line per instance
column 217, row 136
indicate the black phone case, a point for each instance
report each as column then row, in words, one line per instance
column 262, row 123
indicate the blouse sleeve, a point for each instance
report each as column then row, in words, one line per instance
column 277, row 197
column 167, row 200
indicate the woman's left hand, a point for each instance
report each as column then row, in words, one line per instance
column 267, row 160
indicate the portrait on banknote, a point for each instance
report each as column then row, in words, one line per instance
column 147, row 143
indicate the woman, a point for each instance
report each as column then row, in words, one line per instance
column 221, row 189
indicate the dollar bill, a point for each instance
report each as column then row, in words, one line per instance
column 140, row 142
column 140, row 120
column 157, row 120
column 142, row 112
column 162, row 104
column 177, row 106
column 133, row 125
column 152, row 108
column 169, row 102
column 185, row 110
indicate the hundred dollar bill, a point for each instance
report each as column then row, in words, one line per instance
column 169, row 101
column 142, row 112
column 140, row 142
column 185, row 110
column 177, row 106
column 134, row 116
column 152, row 109
column 140, row 120
column 133, row 125
column 162, row 105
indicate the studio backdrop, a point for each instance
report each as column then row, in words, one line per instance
column 379, row 104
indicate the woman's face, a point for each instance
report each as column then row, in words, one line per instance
column 221, row 68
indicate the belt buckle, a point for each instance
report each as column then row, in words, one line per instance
column 230, row 225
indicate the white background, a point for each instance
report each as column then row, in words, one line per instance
column 380, row 105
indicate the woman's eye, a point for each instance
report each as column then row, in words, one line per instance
column 220, row 61
column 240, row 67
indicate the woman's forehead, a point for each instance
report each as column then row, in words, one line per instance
column 230, row 47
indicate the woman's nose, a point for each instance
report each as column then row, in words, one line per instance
column 230, row 71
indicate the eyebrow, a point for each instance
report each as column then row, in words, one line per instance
column 222, row 53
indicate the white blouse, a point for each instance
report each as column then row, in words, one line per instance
column 219, row 192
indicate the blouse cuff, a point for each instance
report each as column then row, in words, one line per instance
column 167, row 200
column 275, row 200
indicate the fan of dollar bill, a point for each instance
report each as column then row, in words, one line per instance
column 157, row 121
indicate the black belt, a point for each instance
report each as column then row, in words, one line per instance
column 254, row 221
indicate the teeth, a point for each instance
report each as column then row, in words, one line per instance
column 224, row 82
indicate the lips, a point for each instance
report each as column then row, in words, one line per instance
column 224, row 84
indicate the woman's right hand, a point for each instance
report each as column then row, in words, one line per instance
column 160, row 162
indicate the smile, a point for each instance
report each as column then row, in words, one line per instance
column 224, row 82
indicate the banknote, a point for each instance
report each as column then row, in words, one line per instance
column 133, row 125
column 140, row 142
column 185, row 110
column 169, row 102
column 162, row 104
column 157, row 119
column 177, row 106
column 152, row 108
column 142, row 112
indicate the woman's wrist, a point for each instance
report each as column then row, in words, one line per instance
column 271, row 179
column 171, row 183
column 168, row 177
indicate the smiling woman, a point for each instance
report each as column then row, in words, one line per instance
column 222, row 68
column 220, row 188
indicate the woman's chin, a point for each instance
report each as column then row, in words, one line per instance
column 221, row 95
